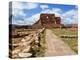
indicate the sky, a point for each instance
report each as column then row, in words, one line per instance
column 27, row 13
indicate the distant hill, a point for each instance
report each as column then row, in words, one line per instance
column 19, row 26
column 70, row 25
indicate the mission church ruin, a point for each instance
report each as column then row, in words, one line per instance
column 47, row 21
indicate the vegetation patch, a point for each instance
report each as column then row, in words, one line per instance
column 71, row 41
column 38, row 51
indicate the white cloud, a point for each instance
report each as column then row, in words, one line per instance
column 32, row 19
column 70, row 17
column 18, row 12
column 21, row 5
column 27, row 21
column 31, row 5
column 58, row 10
column 18, row 7
column 55, row 11
column 43, row 6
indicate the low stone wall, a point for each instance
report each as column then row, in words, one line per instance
column 26, row 44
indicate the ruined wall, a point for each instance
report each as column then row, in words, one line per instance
column 48, row 21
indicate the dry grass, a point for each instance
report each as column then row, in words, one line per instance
column 41, row 50
column 72, row 42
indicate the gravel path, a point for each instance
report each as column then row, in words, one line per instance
column 55, row 46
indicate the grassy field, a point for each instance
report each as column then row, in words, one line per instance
column 72, row 42
column 65, row 31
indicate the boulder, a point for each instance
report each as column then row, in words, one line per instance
column 24, row 55
column 27, row 49
column 16, row 51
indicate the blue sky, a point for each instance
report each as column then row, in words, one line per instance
column 24, row 13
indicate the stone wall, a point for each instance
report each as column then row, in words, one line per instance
column 21, row 47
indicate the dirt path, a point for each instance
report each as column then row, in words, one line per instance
column 55, row 46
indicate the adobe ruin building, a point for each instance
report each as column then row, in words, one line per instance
column 48, row 21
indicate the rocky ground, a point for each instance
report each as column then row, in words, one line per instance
column 21, row 47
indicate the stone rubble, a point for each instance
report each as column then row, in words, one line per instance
column 24, row 47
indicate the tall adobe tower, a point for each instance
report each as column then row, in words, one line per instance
column 48, row 21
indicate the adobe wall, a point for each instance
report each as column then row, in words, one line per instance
column 47, row 21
